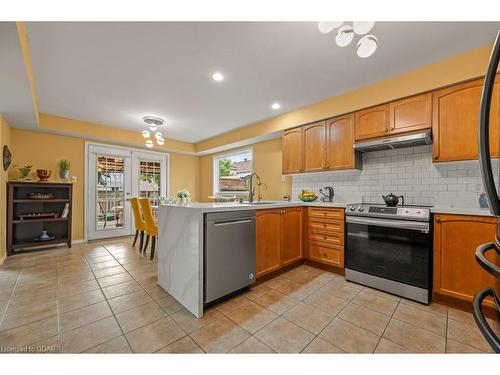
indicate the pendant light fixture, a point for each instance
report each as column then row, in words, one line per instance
column 153, row 123
column 367, row 44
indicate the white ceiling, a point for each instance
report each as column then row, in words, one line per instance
column 16, row 102
column 115, row 73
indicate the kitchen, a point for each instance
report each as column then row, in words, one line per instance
column 355, row 215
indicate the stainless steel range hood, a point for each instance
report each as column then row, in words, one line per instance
column 417, row 139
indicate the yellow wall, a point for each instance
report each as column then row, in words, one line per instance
column 458, row 68
column 44, row 151
column 4, row 140
column 266, row 163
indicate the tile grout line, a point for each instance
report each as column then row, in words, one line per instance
column 389, row 322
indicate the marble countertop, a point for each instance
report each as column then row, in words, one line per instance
column 214, row 207
column 461, row 211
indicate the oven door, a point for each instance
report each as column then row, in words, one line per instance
column 396, row 250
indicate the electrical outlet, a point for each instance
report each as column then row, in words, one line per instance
column 73, row 179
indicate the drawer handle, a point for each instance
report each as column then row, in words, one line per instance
column 324, row 225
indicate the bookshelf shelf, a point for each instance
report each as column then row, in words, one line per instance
column 21, row 234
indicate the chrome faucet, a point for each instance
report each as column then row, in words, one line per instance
column 251, row 189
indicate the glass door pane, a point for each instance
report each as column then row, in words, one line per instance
column 110, row 192
column 150, row 180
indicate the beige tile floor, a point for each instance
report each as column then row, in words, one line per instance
column 103, row 298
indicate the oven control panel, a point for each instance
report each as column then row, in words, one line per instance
column 379, row 210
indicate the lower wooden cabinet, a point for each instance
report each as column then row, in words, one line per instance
column 325, row 235
column 278, row 238
column 456, row 272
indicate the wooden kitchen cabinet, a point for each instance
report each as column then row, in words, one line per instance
column 456, row 272
column 267, row 241
column 325, row 235
column 340, row 137
column 314, row 146
column 455, row 121
column 291, row 234
column 278, row 238
column 292, row 151
column 410, row 114
column 372, row 122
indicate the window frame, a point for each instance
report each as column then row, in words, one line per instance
column 216, row 176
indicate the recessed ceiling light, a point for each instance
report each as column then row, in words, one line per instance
column 276, row 106
column 218, row 77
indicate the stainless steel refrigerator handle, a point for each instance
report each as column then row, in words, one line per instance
column 401, row 224
column 484, row 262
column 231, row 222
column 484, row 131
column 482, row 323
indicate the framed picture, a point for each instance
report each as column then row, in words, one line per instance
column 7, row 157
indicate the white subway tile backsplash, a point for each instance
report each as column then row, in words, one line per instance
column 407, row 171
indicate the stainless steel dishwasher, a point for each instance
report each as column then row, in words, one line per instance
column 229, row 253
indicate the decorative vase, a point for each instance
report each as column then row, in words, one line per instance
column 64, row 174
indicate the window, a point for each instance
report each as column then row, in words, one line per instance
column 229, row 173
column 149, row 180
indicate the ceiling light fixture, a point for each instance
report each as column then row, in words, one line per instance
column 276, row 106
column 153, row 123
column 217, row 76
column 367, row 44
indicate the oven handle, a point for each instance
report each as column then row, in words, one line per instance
column 401, row 224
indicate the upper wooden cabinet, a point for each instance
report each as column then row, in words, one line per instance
column 340, row 137
column 456, row 272
column 372, row 122
column 410, row 114
column 292, row 151
column 314, row 150
column 455, row 121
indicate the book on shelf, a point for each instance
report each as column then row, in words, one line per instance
column 65, row 211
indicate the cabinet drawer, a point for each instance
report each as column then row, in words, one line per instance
column 331, row 255
column 333, row 238
column 326, row 213
column 326, row 225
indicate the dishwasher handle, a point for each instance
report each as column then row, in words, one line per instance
column 231, row 222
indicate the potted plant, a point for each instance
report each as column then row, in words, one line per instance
column 182, row 196
column 64, row 166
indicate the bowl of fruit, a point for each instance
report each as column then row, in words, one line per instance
column 307, row 196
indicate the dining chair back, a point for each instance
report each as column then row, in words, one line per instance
column 151, row 227
column 140, row 224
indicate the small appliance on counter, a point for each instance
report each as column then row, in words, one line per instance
column 392, row 200
column 327, row 193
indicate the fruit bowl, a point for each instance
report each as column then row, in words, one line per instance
column 308, row 199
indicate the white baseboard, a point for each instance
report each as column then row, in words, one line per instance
column 75, row 242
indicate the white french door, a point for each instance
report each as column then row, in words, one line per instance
column 109, row 187
column 115, row 174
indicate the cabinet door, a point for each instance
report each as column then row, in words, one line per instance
column 372, row 122
column 314, row 146
column 267, row 241
column 292, row 151
column 455, row 118
column 411, row 114
column 456, row 272
column 340, row 138
column 291, row 234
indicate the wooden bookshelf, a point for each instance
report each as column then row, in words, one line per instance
column 21, row 234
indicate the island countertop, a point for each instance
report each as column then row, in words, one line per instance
column 221, row 207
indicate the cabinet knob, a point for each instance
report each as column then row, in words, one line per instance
column 324, row 237
column 438, row 218
column 386, row 130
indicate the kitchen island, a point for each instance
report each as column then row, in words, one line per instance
column 180, row 246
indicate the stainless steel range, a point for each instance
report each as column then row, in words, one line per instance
column 390, row 248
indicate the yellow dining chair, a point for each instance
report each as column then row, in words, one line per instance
column 151, row 227
column 140, row 224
